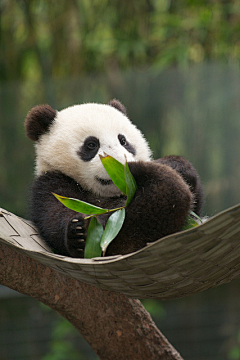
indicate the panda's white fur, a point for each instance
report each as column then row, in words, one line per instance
column 57, row 149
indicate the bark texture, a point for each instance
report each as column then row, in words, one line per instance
column 115, row 326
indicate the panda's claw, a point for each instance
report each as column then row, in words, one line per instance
column 76, row 235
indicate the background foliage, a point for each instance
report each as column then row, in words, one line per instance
column 174, row 64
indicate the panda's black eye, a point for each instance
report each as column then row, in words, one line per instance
column 129, row 147
column 89, row 148
column 122, row 140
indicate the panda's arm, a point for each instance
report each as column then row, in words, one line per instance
column 53, row 219
column 159, row 208
column 189, row 174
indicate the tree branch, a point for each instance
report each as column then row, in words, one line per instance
column 110, row 322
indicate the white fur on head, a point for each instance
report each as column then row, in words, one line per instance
column 57, row 149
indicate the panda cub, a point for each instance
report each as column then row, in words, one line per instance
column 68, row 145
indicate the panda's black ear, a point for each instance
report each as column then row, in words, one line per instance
column 39, row 120
column 118, row 105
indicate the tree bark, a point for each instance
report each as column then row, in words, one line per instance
column 115, row 326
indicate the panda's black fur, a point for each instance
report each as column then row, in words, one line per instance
column 167, row 189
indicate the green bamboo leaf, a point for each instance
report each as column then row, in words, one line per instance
column 115, row 170
column 80, row 206
column 112, row 228
column 195, row 215
column 190, row 223
column 94, row 235
column 131, row 185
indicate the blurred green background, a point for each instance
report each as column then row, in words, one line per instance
column 175, row 65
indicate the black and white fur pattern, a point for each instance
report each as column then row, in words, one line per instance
column 79, row 134
column 68, row 145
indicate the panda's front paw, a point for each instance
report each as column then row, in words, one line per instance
column 76, row 236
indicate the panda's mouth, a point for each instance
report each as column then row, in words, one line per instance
column 104, row 182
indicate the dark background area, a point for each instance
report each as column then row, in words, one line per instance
column 175, row 66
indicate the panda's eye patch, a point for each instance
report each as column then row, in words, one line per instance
column 89, row 148
column 129, row 147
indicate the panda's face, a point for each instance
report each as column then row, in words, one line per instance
column 76, row 138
